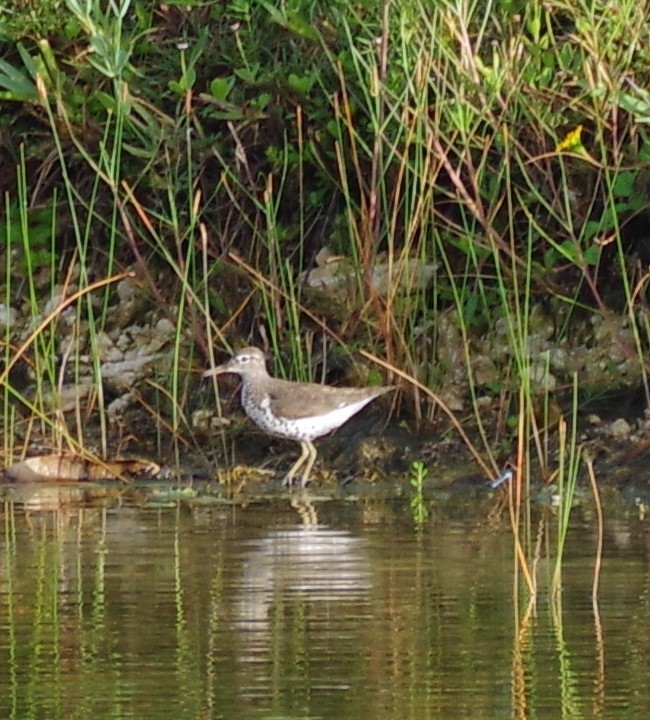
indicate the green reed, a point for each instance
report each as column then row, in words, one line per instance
column 409, row 139
column 569, row 463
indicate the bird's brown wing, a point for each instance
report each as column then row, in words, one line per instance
column 305, row 399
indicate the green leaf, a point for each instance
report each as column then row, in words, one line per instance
column 533, row 25
column 275, row 14
column 607, row 221
column 637, row 106
column 592, row 255
column 624, row 184
column 301, row 84
column 261, row 101
column 220, row 87
column 188, row 79
column 105, row 100
column 298, row 25
column 644, row 152
column 249, row 74
column 292, row 21
column 334, row 129
column 29, row 62
column 550, row 258
column 592, row 228
column 16, row 84
column 470, row 311
column 100, row 66
column 638, row 202
column 569, row 251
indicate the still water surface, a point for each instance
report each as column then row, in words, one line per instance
column 259, row 612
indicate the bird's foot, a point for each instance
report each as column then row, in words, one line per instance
column 288, row 480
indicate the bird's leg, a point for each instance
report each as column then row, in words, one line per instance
column 311, row 450
column 306, row 452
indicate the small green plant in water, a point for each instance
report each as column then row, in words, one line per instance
column 418, row 508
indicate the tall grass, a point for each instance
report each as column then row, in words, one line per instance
column 432, row 147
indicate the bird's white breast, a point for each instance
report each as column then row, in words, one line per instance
column 300, row 428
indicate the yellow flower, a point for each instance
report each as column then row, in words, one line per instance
column 572, row 142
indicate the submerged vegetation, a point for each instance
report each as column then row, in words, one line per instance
column 458, row 188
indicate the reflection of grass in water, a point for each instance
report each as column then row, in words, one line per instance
column 419, row 509
column 68, row 618
column 567, row 476
column 157, row 609
column 46, row 634
column 559, row 467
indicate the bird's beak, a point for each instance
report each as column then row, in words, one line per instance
column 216, row 370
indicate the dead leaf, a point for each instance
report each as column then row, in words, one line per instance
column 62, row 467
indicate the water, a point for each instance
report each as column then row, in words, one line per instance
column 259, row 612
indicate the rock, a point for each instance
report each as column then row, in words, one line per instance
column 8, row 317
column 619, row 429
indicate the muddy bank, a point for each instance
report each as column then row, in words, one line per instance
column 113, row 402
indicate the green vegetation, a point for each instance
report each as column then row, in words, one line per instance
column 460, row 188
column 419, row 509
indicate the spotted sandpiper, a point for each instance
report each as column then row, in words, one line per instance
column 294, row 410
